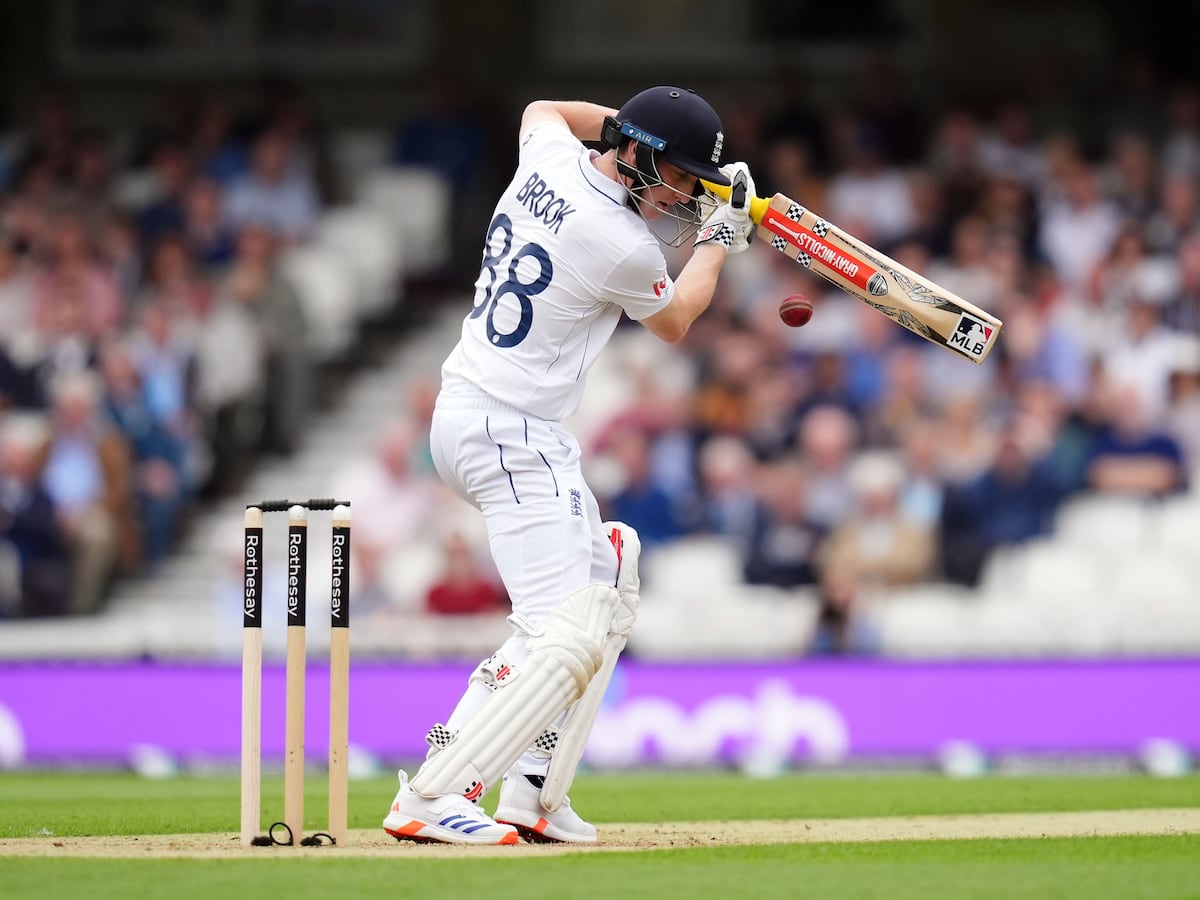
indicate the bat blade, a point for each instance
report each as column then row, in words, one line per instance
column 909, row 299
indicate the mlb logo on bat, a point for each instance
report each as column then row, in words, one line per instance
column 971, row 335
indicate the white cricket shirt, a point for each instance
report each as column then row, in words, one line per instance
column 563, row 256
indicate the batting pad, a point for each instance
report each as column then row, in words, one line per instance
column 562, row 660
column 573, row 733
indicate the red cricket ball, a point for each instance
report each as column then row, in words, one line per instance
column 795, row 310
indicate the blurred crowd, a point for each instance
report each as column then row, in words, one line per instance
column 850, row 454
column 150, row 348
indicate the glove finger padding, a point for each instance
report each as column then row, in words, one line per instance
column 730, row 225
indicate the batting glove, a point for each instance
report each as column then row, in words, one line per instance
column 730, row 225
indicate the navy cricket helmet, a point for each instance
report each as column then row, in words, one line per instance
column 677, row 125
column 674, row 125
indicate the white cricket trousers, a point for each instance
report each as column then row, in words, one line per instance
column 523, row 473
column 543, row 523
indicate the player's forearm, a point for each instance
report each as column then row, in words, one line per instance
column 693, row 293
column 584, row 120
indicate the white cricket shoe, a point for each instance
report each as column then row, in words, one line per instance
column 449, row 819
column 521, row 806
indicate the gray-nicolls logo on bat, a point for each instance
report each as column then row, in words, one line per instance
column 877, row 285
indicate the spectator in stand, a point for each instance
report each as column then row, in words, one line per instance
column 289, row 115
column 1141, row 354
column 955, row 159
column 174, row 282
column 967, row 440
column 1041, row 347
column 1176, row 215
column 876, row 543
column 877, row 343
column 827, row 442
column 171, row 169
column 29, row 526
column 19, row 345
column 1182, row 311
column 210, row 240
column 870, row 198
column 640, row 500
column 923, row 490
column 1112, row 281
column 903, row 394
column 74, row 287
column 1007, row 206
column 1008, row 149
column 16, row 288
column 1131, row 179
column 734, row 366
column 1050, row 433
column 160, row 475
column 65, row 341
column 1183, row 409
column 1132, row 454
column 90, row 184
column 166, row 364
column 1013, row 501
column 254, row 281
column 772, row 417
column 393, row 503
column 19, row 389
column 1077, row 231
column 88, row 477
column 827, row 384
column 727, row 472
column 464, row 587
column 930, row 230
column 121, row 253
column 275, row 193
column 229, row 378
column 966, row 272
column 784, row 543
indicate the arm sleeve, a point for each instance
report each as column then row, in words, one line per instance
column 640, row 284
column 543, row 135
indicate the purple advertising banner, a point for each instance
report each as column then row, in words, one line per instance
column 668, row 714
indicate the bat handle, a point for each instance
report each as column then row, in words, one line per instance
column 758, row 205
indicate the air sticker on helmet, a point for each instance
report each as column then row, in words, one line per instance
column 643, row 137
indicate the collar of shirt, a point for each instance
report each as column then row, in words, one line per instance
column 597, row 179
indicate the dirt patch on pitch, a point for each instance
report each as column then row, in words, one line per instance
column 660, row 836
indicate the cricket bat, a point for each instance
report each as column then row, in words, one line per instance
column 902, row 295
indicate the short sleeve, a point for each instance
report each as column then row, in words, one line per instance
column 639, row 284
column 546, row 137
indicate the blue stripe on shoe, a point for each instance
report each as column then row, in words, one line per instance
column 446, row 821
column 475, row 828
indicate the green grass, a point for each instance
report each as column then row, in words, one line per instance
column 1085, row 868
column 84, row 804
column 1162, row 868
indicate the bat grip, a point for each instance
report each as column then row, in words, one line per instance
column 737, row 196
column 758, row 206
